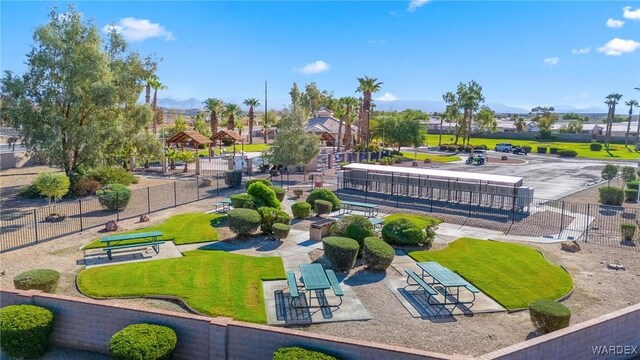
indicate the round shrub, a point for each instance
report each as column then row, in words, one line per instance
column 85, row 187
column 628, row 231
column 280, row 231
column 452, row 147
column 25, row 330
column 106, row 175
column 377, row 254
column 322, row 207
column 243, row 221
column 323, row 194
column 301, row 210
column 115, row 197
column 356, row 227
column 553, row 150
column 233, row 178
column 610, row 195
column 253, row 181
column 242, row 201
column 270, row 216
column 298, row 353
column 633, row 185
column 280, row 192
column 631, row 194
column 341, row 252
column 143, row 341
column 548, row 315
column 39, row 279
column 542, row 150
column 263, row 196
column 526, row 149
column 403, row 232
column 567, row 153
column 595, row 147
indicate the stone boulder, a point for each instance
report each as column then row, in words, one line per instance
column 570, row 246
column 144, row 218
column 111, row 225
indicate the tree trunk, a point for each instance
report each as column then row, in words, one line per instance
column 440, row 137
column 147, row 95
column 347, row 136
column 626, row 135
column 265, row 132
column 638, row 135
column 155, row 110
column 339, row 140
column 251, row 125
column 231, row 124
column 214, row 125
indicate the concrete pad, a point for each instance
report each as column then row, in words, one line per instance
column 294, row 260
column 98, row 257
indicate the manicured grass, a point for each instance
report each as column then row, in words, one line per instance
column 247, row 148
column 512, row 274
column 418, row 220
column 215, row 283
column 434, row 157
column 181, row 229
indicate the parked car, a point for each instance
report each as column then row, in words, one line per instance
column 518, row 150
column 504, row 147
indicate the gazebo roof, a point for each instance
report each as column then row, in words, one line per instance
column 227, row 134
column 188, row 137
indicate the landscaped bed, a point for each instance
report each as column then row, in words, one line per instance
column 512, row 274
column 182, row 229
column 215, row 283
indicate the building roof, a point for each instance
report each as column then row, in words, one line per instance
column 329, row 123
column 227, row 134
column 480, row 178
column 188, row 137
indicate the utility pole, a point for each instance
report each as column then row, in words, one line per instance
column 265, row 113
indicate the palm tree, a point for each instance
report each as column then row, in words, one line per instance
column 232, row 110
column 638, row 130
column 519, row 123
column 612, row 101
column 154, row 82
column 215, row 108
column 367, row 86
column 631, row 103
column 239, row 126
column 251, row 103
column 266, row 126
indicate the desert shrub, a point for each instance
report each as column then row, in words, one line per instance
column 442, row 147
column 233, row 178
column 398, row 159
column 114, row 197
column 280, row 231
column 452, row 148
column 143, row 341
column 25, row 330
column 106, row 175
column 341, row 252
column 595, row 147
column 404, row 232
column 468, row 149
column 301, row 210
column 526, row 149
column 480, row 147
column 253, row 181
column 377, row 254
column 270, row 216
column 280, row 192
column 628, row 231
column 548, row 315
column 628, row 174
column 241, row 201
column 553, row 150
column 356, row 227
column 52, row 185
column 39, row 279
column 323, row 194
column 29, row 192
column 85, row 187
column 322, row 207
column 567, row 153
column 243, row 221
column 261, row 194
column 631, row 194
column 610, row 195
column 460, row 147
column 298, row 353
column 542, row 149
column 633, row 185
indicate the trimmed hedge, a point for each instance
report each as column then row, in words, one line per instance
column 341, row 252
column 541, row 149
column 595, row 147
column 115, row 197
column 526, row 149
column 301, row 210
column 263, row 196
column 377, row 254
column 548, row 315
column 242, row 201
column 39, row 279
column 322, row 207
column 25, row 330
column 553, row 150
column 567, row 153
column 233, row 178
column 628, row 231
column 633, row 185
column 253, row 181
column 280, row 231
column 323, row 194
column 298, row 353
column 270, row 216
column 106, row 175
column 243, row 221
column 403, row 232
column 631, row 194
column 143, row 341
column 280, row 192
column 610, row 195
column 356, row 227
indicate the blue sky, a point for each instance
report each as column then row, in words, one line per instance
column 522, row 53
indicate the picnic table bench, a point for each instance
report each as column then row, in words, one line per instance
column 377, row 223
column 225, row 204
column 371, row 210
column 154, row 243
column 315, row 279
column 447, row 279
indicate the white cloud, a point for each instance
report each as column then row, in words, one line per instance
column 387, row 97
column 631, row 14
column 415, row 4
column 582, row 51
column 314, row 67
column 617, row 47
column 616, row 24
column 133, row 29
column 552, row 61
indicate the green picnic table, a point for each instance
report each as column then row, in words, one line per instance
column 370, row 210
column 224, row 203
column 315, row 279
column 153, row 235
column 448, row 280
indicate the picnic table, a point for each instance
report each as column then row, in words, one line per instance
column 224, row 203
column 377, row 223
column 153, row 235
column 448, row 280
column 370, row 210
column 314, row 279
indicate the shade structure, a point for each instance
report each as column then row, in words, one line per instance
column 189, row 139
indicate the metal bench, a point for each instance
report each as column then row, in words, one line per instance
column 335, row 285
column 371, row 210
column 293, row 287
column 225, row 204
column 155, row 245
column 420, row 283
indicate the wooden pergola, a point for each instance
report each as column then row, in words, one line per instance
column 229, row 135
column 189, row 139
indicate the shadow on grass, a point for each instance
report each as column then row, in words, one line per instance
column 219, row 222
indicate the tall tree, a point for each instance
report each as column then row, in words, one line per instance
column 77, row 101
column 200, row 126
column 346, row 111
column 612, row 101
column 269, row 119
column 312, row 99
column 231, row 111
column 293, row 145
column 215, row 108
column 485, row 120
column 155, row 84
column 367, row 86
column 519, row 123
column 251, row 103
column 544, row 117
column 294, row 93
column 451, row 113
column 631, row 103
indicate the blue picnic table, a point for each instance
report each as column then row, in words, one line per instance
column 153, row 235
column 315, row 280
column 448, row 280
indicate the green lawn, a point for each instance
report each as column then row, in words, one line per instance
column 215, row 283
column 434, row 157
column 182, row 229
column 419, row 220
column 512, row 274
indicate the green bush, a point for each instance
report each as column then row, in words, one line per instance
column 270, row 216
column 25, row 330
column 39, row 279
column 280, row 192
column 298, row 353
column 452, row 147
column 52, row 185
column 542, row 149
column 115, row 197
column 595, row 147
column 468, row 149
column 633, row 185
column 356, row 227
column 85, row 187
column 323, row 194
column 280, row 231
column 233, row 178
column 553, row 150
column 628, row 231
column 341, row 252
column 144, row 342
column 404, row 232
column 526, row 149
column 322, row 207
column 263, row 195
column 377, row 254
column 106, row 175
column 243, row 221
column 631, row 194
column 253, row 181
column 610, row 195
column 567, row 153
column 548, row 315
column 242, row 201
column 301, row 210
column 29, row 192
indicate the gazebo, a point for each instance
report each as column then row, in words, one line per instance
column 189, row 138
column 231, row 135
